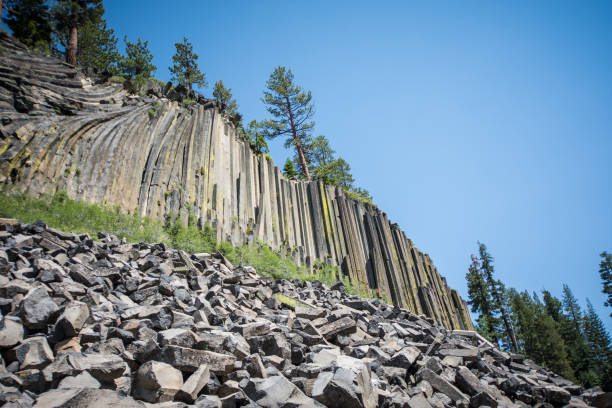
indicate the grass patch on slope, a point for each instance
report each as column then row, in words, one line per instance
column 61, row 212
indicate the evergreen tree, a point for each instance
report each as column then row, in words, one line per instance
column 224, row 96
column 98, row 48
column 600, row 347
column 325, row 166
column 480, row 300
column 256, row 138
column 572, row 330
column 138, row 61
column 605, row 272
column 69, row 17
column 497, row 290
column 289, row 169
column 361, row 194
column 292, row 111
column 537, row 333
column 185, row 68
column 30, row 22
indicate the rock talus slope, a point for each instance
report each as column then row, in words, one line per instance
column 89, row 323
column 152, row 156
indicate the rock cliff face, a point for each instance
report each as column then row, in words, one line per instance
column 155, row 157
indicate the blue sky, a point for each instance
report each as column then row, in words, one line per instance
column 466, row 121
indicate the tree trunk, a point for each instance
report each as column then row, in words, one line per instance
column 296, row 138
column 0, row 10
column 73, row 38
column 303, row 162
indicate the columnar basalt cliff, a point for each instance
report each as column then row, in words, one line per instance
column 154, row 156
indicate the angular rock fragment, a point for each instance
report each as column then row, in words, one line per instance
column 36, row 308
column 71, row 321
column 189, row 360
column 195, row 383
column 277, row 391
column 85, row 398
column 11, row 331
column 33, row 352
column 441, row 385
column 157, row 382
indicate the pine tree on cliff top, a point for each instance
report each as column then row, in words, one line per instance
column 30, row 22
column 292, row 111
column 69, row 16
column 289, row 169
column 138, row 62
column 97, row 50
column 224, row 96
column 185, row 68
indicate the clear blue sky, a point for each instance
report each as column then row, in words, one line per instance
column 466, row 121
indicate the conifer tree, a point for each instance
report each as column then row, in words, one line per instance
column 30, row 22
column 480, row 300
column 138, row 61
column 600, row 346
column 497, row 291
column 605, row 272
column 325, row 166
column 572, row 330
column 224, row 96
column 69, row 17
column 361, row 193
column 537, row 333
column 97, row 50
column 289, row 169
column 256, row 138
column 292, row 111
column 185, row 68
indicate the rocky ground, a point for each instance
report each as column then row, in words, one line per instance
column 104, row 323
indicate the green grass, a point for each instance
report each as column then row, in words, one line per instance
column 61, row 212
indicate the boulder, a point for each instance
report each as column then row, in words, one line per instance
column 33, row 352
column 71, row 321
column 157, row 382
column 191, row 388
column 11, row 331
column 37, row 308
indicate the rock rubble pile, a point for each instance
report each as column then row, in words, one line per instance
column 89, row 323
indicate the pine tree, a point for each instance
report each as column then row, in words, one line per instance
column 497, row 291
column 480, row 300
column 605, row 272
column 537, row 333
column 572, row 330
column 224, row 96
column 185, row 68
column 256, row 138
column 69, row 17
column 361, row 194
column 325, row 166
column 289, row 169
column 138, row 61
column 292, row 111
column 98, row 48
column 30, row 22
column 600, row 346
